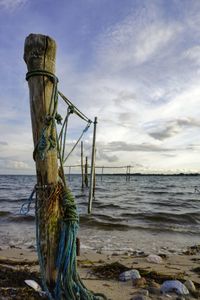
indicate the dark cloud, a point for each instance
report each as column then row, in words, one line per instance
column 172, row 128
column 101, row 155
column 131, row 147
column 165, row 133
column 2, row 143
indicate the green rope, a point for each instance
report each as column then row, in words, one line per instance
column 68, row 285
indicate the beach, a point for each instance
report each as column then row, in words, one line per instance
column 100, row 273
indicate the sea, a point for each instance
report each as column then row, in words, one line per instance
column 148, row 213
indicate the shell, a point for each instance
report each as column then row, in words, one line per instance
column 34, row 285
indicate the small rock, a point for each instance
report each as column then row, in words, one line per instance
column 163, row 255
column 154, row 290
column 174, row 286
column 154, row 259
column 115, row 254
column 154, row 284
column 139, row 282
column 127, row 275
column 190, row 286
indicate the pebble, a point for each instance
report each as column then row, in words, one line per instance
column 139, row 282
column 154, row 284
column 154, row 290
column 190, row 286
column 127, row 275
column 154, row 259
column 174, row 286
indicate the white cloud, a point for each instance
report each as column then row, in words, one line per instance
column 193, row 54
column 11, row 5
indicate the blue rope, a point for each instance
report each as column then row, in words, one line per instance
column 25, row 208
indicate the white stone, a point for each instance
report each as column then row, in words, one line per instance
column 190, row 285
column 156, row 259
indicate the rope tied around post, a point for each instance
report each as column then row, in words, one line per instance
column 61, row 214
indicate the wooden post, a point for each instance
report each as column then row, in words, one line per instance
column 92, row 170
column 39, row 54
column 94, row 183
column 86, row 171
column 82, row 167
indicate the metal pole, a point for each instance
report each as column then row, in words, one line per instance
column 92, row 168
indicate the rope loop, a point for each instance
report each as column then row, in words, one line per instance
column 25, row 208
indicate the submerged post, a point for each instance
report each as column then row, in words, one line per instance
column 86, row 172
column 82, row 167
column 39, row 54
column 92, row 170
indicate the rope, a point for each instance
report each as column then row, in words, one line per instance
column 59, row 211
column 25, row 208
column 84, row 130
column 76, row 110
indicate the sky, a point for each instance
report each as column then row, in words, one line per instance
column 135, row 64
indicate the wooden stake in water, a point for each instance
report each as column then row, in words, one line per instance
column 39, row 54
column 92, row 170
column 82, row 167
column 86, row 172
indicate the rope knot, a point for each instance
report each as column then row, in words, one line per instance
column 48, row 120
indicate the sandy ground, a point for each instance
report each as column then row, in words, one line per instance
column 104, row 280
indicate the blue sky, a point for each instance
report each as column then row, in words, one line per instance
column 135, row 64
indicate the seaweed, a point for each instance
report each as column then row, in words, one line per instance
column 12, row 285
column 109, row 271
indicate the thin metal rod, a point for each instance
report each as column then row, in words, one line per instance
column 92, row 168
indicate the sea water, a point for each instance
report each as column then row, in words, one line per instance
column 148, row 213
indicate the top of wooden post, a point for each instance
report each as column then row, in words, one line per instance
column 40, row 52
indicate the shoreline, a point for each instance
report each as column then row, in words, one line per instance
column 100, row 271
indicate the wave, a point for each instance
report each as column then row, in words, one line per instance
column 165, row 217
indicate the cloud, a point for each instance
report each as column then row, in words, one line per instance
column 2, row 143
column 152, row 40
column 101, row 155
column 193, row 54
column 172, row 127
column 11, row 5
column 7, row 164
column 129, row 43
column 131, row 147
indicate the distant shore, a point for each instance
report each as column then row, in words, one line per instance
column 118, row 174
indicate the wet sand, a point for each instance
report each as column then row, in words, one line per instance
column 99, row 272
